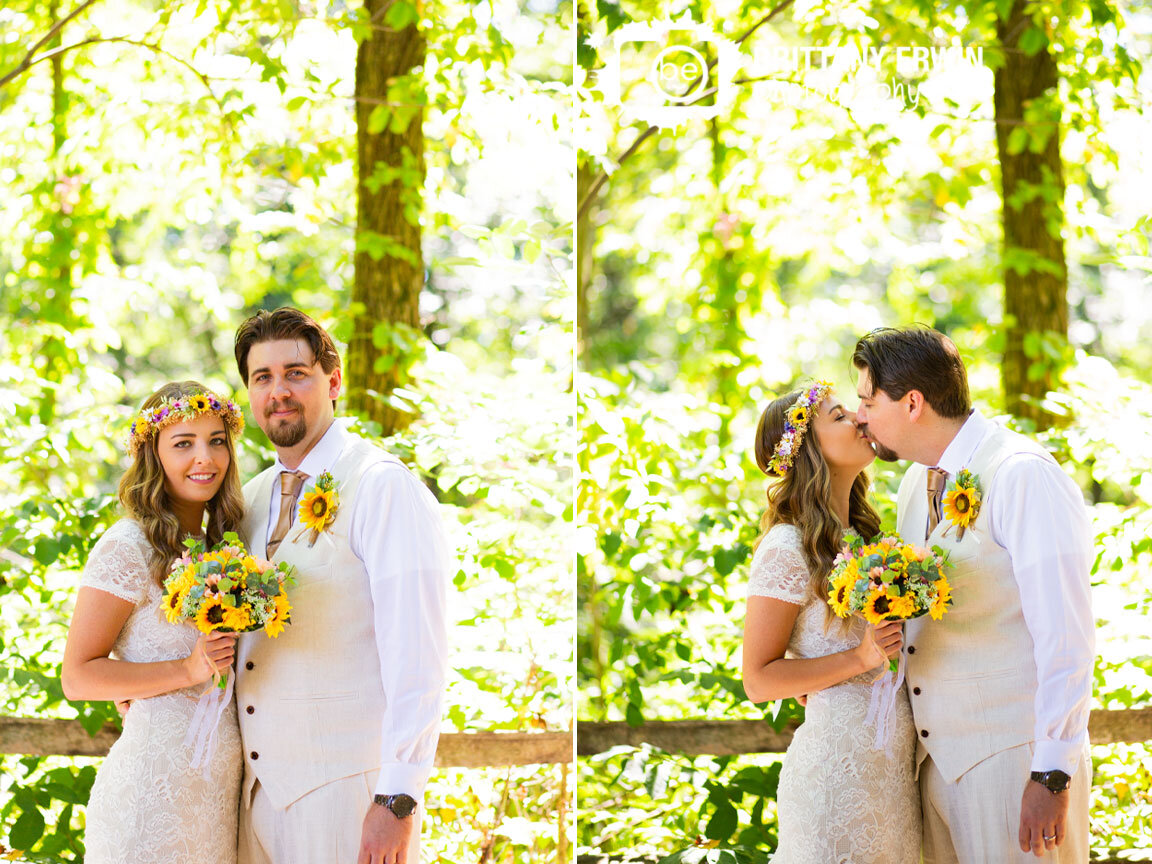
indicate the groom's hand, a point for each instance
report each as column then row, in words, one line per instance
column 1042, row 815
column 384, row 838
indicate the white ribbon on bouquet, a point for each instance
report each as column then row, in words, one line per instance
column 882, row 703
column 203, row 731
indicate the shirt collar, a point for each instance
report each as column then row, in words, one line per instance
column 323, row 454
column 959, row 453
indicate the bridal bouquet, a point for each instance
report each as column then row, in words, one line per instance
column 225, row 589
column 888, row 580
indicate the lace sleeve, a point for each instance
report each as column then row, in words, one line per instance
column 778, row 567
column 118, row 563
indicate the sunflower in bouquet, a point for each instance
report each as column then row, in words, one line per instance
column 227, row 589
column 888, row 580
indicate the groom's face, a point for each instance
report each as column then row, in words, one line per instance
column 881, row 419
column 289, row 391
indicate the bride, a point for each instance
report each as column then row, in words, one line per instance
column 147, row 804
column 839, row 801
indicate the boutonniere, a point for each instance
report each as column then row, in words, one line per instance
column 962, row 502
column 318, row 506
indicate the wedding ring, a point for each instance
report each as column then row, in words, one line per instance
column 1053, row 837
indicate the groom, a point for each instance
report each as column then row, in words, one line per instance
column 1000, row 686
column 340, row 714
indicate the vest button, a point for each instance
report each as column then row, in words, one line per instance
column 923, row 734
column 911, row 650
column 251, row 710
column 915, row 690
column 249, row 665
column 256, row 755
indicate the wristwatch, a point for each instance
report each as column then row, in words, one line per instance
column 401, row 805
column 1054, row 781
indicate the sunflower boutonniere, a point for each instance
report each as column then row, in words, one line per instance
column 962, row 502
column 318, row 506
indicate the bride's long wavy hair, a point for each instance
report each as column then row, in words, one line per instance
column 803, row 497
column 145, row 498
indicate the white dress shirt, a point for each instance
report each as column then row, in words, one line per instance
column 397, row 532
column 1036, row 512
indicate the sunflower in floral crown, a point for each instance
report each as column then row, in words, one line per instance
column 799, row 415
column 199, row 403
column 211, row 615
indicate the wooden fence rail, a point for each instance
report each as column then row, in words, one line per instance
column 50, row 737
column 733, row 737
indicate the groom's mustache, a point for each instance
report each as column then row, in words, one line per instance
column 289, row 405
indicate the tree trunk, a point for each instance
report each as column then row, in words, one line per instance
column 389, row 268
column 1032, row 185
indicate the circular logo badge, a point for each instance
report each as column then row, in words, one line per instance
column 680, row 73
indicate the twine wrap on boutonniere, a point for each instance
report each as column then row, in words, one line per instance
column 962, row 502
column 318, row 507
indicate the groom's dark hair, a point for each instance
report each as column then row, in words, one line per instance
column 916, row 358
column 286, row 322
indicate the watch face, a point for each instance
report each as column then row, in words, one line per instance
column 402, row 805
column 1058, row 781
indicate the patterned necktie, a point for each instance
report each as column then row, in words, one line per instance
column 936, row 480
column 291, row 482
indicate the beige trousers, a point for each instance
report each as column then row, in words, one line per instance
column 322, row 827
column 976, row 820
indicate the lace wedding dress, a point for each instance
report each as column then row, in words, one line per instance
column 147, row 805
column 839, row 801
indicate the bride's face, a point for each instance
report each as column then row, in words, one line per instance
column 844, row 446
column 195, row 458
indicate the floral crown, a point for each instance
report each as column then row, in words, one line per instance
column 796, row 420
column 183, row 408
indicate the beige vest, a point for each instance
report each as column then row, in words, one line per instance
column 972, row 674
column 310, row 701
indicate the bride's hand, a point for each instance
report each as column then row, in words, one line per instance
column 881, row 643
column 214, row 652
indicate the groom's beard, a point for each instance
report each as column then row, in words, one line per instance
column 286, row 434
column 882, row 452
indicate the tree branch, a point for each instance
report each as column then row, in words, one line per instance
column 151, row 46
column 23, row 65
column 602, row 177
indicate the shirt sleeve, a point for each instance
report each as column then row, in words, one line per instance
column 398, row 534
column 1038, row 515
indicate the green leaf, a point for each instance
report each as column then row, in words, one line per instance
column 27, row 829
column 1032, row 41
column 401, row 14
column 378, row 119
column 723, row 822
